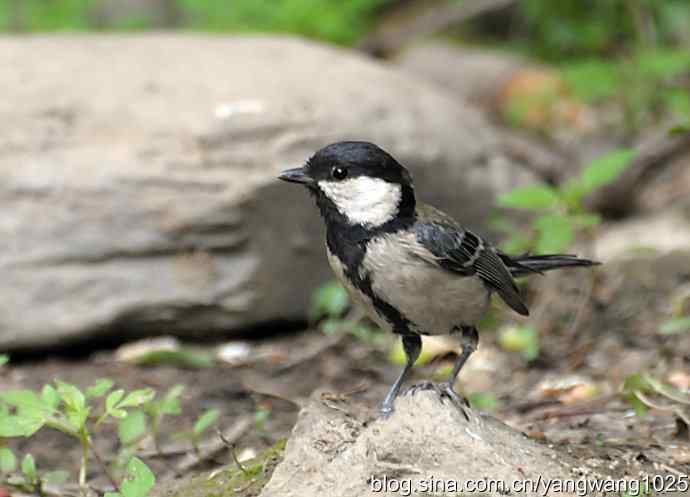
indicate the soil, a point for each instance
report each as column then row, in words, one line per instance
column 602, row 429
column 568, row 396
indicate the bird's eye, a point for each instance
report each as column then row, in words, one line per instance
column 339, row 173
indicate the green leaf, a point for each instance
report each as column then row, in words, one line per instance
column 572, row 191
column 99, row 388
column 675, row 326
column 17, row 426
column 332, row 326
column 50, row 396
column 57, row 477
column 4, row 359
column 131, row 427
column 205, row 420
column 74, row 401
column 8, row 462
column 481, row 400
column 522, row 339
column 170, row 403
column 586, row 220
column 31, row 415
column 139, row 481
column 260, row 417
column 554, row 234
column 636, row 382
column 22, row 399
column 137, row 398
column 71, row 395
column 679, row 129
column 530, row 197
column 638, row 406
column 112, row 494
column 605, row 169
column 181, row 358
column 113, row 399
column 330, row 300
column 29, row 468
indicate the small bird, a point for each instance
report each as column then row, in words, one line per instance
column 414, row 269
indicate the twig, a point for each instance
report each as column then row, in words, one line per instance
column 315, row 351
column 619, row 197
column 231, row 446
column 104, row 467
column 564, row 411
column 231, row 435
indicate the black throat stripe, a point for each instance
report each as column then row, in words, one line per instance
column 349, row 246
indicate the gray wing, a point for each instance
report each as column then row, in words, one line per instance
column 461, row 251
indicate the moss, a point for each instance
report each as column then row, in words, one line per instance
column 230, row 481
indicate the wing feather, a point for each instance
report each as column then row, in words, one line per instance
column 462, row 251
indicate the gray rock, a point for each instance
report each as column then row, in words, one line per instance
column 474, row 74
column 336, row 451
column 138, row 186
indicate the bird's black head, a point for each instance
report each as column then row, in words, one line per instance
column 357, row 184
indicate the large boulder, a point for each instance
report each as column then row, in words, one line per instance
column 138, row 190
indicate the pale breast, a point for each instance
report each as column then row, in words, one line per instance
column 358, row 297
column 433, row 299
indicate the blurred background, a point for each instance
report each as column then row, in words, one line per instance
column 144, row 238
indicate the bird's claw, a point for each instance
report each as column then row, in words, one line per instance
column 385, row 412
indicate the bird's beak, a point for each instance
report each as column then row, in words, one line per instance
column 296, row 175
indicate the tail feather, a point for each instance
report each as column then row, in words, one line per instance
column 525, row 264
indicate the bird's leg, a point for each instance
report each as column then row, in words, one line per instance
column 412, row 345
column 470, row 340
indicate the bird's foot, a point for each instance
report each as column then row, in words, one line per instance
column 444, row 390
column 447, row 390
column 423, row 386
column 385, row 412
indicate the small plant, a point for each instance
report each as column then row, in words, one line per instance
column 330, row 303
column 521, row 339
column 64, row 407
column 643, row 392
column 139, row 481
column 202, row 423
column 675, row 326
column 561, row 209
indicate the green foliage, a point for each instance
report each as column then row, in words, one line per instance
column 29, row 469
column 571, row 28
column 561, row 209
column 647, row 85
column 329, row 300
column 680, row 129
column 639, row 388
column 530, row 197
column 676, row 326
column 331, row 20
column 521, row 339
column 204, row 421
column 4, row 359
column 632, row 386
column 261, row 417
column 187, row 358
column 8, row 461
column 64, row 407
column 132, row 427
column 484, row 401
column 139, row 481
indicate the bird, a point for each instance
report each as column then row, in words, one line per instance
column 413, row 268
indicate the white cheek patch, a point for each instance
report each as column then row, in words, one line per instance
column 362, row 200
